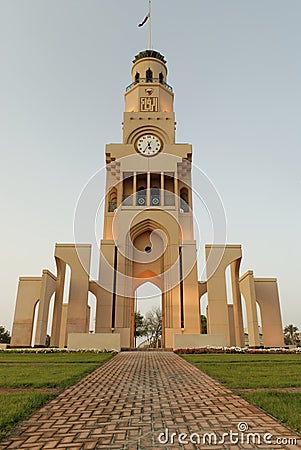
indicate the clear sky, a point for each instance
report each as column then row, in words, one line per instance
column 235, row 68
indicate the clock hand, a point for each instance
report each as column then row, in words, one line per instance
column 148, row 146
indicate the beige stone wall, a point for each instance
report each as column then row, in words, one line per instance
column 198, row 340
column 98, row 341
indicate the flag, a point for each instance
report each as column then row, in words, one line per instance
column 144, row 21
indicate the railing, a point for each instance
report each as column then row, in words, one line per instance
column 155, row 200
column 127, row 200
column 169, row 198
column 184, row 206
column 149, row 80
column 150, row 54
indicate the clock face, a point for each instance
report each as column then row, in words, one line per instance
column 148, row 145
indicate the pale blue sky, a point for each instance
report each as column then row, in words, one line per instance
column 235, row 68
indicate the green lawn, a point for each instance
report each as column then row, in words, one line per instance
column 56, row 357
column 15, row 407
column 259, row 371
column 251, row 371
column 286, row 406
column 33, row 371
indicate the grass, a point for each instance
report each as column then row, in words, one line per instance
column 259, row 371
column 58, row 358
column 43, row 375
column 251, row 371
column 18, row 406
column 37, row 371
column 286, row 406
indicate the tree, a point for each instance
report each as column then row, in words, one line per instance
column 153, row 327
column 290, row 335
column 4, row 335
column 139, row 326
column 47, row 343
column 204, row 324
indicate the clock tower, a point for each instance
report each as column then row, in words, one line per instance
column 148, row 237
column 148, row 221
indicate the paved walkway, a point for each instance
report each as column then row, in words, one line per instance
column 129, row 401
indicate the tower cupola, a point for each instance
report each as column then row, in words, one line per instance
column 149, row 91
column 149, row 66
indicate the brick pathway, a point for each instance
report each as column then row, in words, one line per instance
column 129, row 401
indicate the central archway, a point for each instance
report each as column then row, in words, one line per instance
column 148, row 303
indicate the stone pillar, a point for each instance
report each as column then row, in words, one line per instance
column 29, row 290
column 48, row 286
column 58, row 303
column 268, row 299
column 237, row 307
column 105, row 290
column 231, row 325
column 247, row 287
column 77, row 256
column 218, row 257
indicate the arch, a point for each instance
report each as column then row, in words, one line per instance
column 267, row 297
column 92, row 304
column 71, row 317
column 228, row 279
column 148, row 129
column 112, row 200
column 149, row 248
column 149, row 75
column 148, row 297
column 137, row 77
column 50, row 314
column 218, row 257
column 30, row 321
column 184, row 199
column 203, row 310
column 252, row 331
column 161, row 77
column 260, row 328
column 34, row 323
column 67, row 285
column 143, row 222
column 247, row 288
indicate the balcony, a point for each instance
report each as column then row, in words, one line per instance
column 150, row 80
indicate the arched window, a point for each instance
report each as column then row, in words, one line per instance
column 141, row 196
column 184, row 202
column 161, row 77
column 149, row 76
column 112, row 204
column 137, row 77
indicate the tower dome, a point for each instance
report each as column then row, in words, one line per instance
column 149, row 66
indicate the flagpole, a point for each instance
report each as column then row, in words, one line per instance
column 149, row 26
